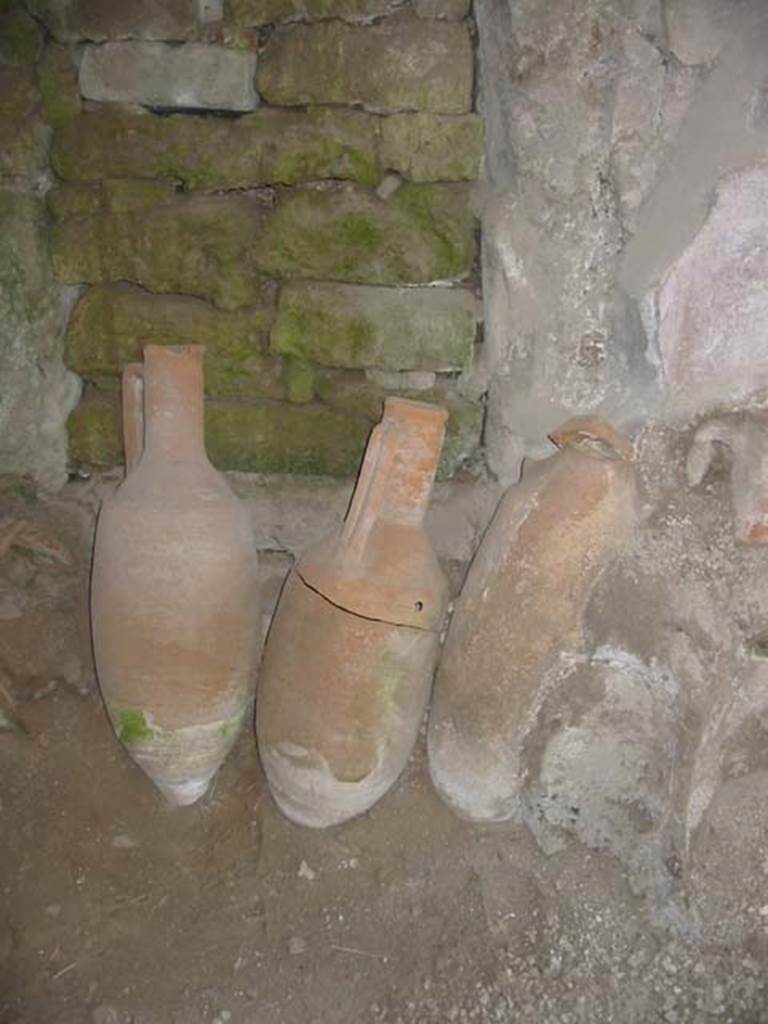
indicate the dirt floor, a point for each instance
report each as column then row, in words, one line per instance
column 116, row 909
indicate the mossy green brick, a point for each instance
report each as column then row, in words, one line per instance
column 195, row 245
column 95, row 432
column 258, row 437
column 264, row 148
column 421, row 234
column 249, row 13
column 356, row 326
column 400, row 63
column 432, row 147
column 73, row 199
column 79, row 199
column 111, row 324
column 21, row 40
column 98, row 20
column 301, row 380
column 279, row 437
column 57, row 78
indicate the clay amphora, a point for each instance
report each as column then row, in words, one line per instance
column 522, row 605
column 174, row 590
column 745, row 434
column 350, row 655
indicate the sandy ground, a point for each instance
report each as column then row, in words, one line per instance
column 115, row 908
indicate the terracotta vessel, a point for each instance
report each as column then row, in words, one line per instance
column 521, row 606
column 174, row 589
column 746, row 436
column 350, row 655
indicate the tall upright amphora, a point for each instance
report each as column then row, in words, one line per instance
column 349, row 659
column 174, row 591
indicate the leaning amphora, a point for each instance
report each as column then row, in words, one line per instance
column 174, row 591
column 521, row 607
column 350, row 655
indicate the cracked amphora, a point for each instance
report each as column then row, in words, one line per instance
column 350, row 655
column 174, row 589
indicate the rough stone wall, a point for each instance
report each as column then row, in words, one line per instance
column 612, row 129
column 36, row 391
column 286, row 182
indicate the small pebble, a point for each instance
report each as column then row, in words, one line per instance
column 305, row 871
column 297, row 946
column 124, row 842
column 53, row 909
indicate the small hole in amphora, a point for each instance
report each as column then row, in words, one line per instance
column 419, row 606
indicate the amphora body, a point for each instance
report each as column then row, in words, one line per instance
column 521, row 606
column 174, row 591
column 350, row 655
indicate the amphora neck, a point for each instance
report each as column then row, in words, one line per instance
column 173, row 401
column 398, row 471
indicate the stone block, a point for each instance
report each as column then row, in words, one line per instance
column 422, row 233
column 195, row 245
column 267, row 147
column 401, row 63
column 23, row 135
column 432, row 147
column 158, row 75
column 95, row 431
column 57, row 78
column 355, row 327
column 21, row 39
column 72, row 21
column 268, row 437
column 248, row 13
column 76, row 199
column 37, row 392
column 112, row 323
column 283, row 438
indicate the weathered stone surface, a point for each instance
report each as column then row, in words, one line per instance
column 266, row 147
column 422, row 233
column 157, row 75
column 355, row 327
column 713, row 303
column 23, row 136
column 432, row 147
column 21, row 40
column 95, row 20
column 451, row 10
column 195, row 245
column 652, row 97
column 265, row 12
column 57, row 77
column 698, row 29
column 75, row 199
column 112, row 323
column 37, row 392
column 725, row 129
column 397, row 64
column 561, row 336
column 270, row 437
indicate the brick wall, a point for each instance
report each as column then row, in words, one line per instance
column 288, row 185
